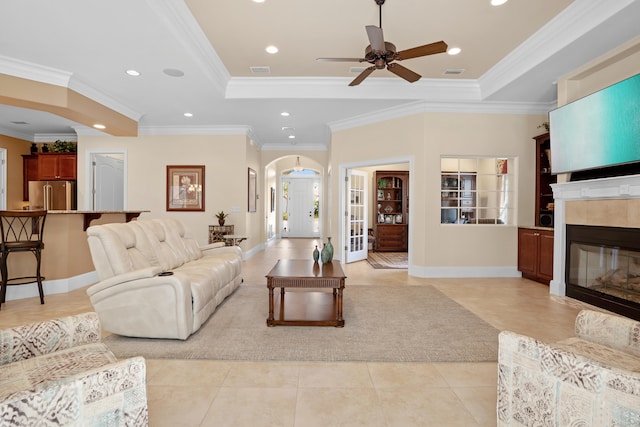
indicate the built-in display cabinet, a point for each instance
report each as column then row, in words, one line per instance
column 544, row 179
column 392, row 206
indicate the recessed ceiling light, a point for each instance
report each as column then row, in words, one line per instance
column 288, row 128
column 498, row 2
column 284, row 114
column 188, row 114
column 99, row 126
column 173, row 72
column 292, row 137
column 271, row 49
column 133, row 73
column 258, row 1
column 454, row 51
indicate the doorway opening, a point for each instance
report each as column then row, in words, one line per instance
column 359, row 214
column 107, row 181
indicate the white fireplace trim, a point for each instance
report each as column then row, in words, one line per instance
column 622, row 187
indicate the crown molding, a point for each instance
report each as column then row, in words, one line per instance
column 572, row 23
column 195, row 130
column 294, row 148
column 187, row 30
column 31, row 71
column 334, row 87
column 83, row 88
column 420, row 107
column 51, row 137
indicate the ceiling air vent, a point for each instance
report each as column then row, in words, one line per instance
column 260, row 70
column 453, row 71
column 20, row 123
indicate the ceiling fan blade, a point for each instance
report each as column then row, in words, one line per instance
column 363, row 75
column 341, row 59
column 427, row 49
column 376, row 38
column 403, row 72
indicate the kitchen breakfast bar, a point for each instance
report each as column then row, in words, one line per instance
column 66, row 260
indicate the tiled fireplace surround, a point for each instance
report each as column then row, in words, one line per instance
column 609, row 202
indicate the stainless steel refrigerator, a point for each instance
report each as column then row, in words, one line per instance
column 52, row 195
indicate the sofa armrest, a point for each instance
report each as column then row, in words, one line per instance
column 113, row 394
column 610, row 330
column 35, row 339
column 143, row 273
column 542, row 384
column 211, row 250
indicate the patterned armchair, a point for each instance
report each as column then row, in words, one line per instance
column 59, row 373
column 592, row 379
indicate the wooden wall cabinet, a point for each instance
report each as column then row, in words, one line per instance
column 47, row 167
column 391, row 203
column 535, row 254
column 54, row 166
column 29, row 173
column 544, row 179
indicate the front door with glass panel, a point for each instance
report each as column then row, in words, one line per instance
column 300, row 215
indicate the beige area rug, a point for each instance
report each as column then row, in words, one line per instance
column 382, row 324
column 382, row 260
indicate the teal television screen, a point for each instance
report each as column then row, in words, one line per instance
column 599, row 130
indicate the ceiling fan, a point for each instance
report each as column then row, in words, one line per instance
column 381, row 54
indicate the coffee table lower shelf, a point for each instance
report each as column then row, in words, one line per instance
column 305, row 308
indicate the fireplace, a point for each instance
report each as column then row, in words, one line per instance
column 603, row 267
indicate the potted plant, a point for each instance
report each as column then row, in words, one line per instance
column 221, row 217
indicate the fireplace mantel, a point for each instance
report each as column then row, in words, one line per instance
column 613, row 188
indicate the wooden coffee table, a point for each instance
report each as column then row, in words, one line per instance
column 306, row 308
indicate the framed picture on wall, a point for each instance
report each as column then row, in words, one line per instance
column 253, row 178
column 185, row 188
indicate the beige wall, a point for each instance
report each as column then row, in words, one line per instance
column 15, row 148
column 225, row 158
column 423, row 138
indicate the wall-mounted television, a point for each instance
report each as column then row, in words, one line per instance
column 597, row 131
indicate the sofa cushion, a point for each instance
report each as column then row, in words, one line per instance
column 178, row 236
column 30, row 373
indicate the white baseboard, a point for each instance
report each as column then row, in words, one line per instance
column 50, row 287
column 452, row 272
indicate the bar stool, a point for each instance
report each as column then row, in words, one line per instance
column 21, row 232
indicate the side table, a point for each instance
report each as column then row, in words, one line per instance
column 217, row 233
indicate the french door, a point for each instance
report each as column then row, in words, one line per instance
column 356, row 236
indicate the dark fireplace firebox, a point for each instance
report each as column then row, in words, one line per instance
column 603, row 267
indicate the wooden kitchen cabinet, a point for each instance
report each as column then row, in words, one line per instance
column 29, row 173
column 535, row 254
column 54, row 166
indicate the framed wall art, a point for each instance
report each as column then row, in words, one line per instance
column 253, row 178
column 185, row 188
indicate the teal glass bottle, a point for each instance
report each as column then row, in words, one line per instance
column 316, row 254
column 329, row 249
column 324, row 255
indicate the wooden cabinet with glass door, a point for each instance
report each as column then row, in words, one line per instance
column 392, row 209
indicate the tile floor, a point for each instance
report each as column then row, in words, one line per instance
column 302, row 394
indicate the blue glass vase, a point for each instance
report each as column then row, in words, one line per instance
column 329, row 249
column 316, row 254
column 324, row 255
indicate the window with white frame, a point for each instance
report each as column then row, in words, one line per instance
column 477, row 190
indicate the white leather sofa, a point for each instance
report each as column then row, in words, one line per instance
column 155, row 280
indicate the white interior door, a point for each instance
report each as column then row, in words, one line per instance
column 108, row 181
column 301, row 218
column 357, row 202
